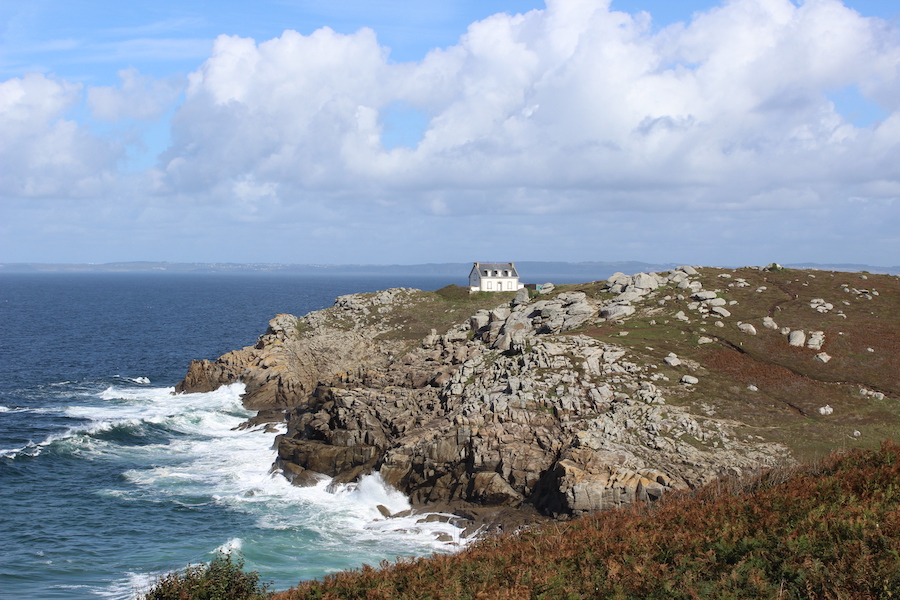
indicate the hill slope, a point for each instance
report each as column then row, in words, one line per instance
column 580, row 398
column 830, row 529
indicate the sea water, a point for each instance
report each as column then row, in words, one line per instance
column 109, row 479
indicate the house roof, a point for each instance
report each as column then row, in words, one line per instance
column 480, row 267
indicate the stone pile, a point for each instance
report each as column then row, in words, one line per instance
column 820, row 305
column 507, row 328
column 632, row 288
column 628, row 288
column 860, row 294
column 739, row 282
column 814, row 340
column 871, row 394
column 357, row 306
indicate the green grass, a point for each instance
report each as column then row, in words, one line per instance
column 413, row 315
column 440, row 310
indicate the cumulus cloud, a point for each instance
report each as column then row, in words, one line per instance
column 137, row 97
column 42, row 153
column 574, row 107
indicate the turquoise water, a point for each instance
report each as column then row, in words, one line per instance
column 108, row 479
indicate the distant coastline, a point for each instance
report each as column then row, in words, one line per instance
column 531, row 270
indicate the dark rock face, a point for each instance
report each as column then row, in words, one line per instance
column 503, row 410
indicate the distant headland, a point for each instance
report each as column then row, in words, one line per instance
column 533, row 271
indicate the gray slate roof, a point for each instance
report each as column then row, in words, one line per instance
column 481, row 267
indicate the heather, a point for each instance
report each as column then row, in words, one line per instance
column 588, row 401
column 827, row 529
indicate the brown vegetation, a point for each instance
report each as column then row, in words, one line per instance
column 864, row 345
column 829, row 530
column 826, row 530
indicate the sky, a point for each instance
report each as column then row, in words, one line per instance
column 740, row 132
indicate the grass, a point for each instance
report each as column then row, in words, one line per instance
column 791, row 384
column 441, row 310
column 827, row 529
column 413, row 315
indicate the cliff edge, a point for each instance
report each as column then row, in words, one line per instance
column 579, row 398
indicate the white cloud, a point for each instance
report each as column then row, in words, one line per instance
column 579, row 124
column 138, row 97
column 42, row 153
column 566, row 109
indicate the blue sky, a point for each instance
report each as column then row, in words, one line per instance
column 739, row 132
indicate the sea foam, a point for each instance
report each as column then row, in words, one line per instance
column 213, row 460
column 190, row 453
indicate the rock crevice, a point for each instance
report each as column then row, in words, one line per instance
column 509, row 407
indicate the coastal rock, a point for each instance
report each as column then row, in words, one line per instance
column 616, row 311
column 816, row 340
column 510, row 407
column 672, row 360
column 490, row 488
column 645, row 281
column 797, row 338
column 618, row 278
column 479, row 320
column 820, row 305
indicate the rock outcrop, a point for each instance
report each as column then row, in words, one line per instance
column 509, row 407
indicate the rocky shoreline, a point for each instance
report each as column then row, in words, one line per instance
column 510, row 416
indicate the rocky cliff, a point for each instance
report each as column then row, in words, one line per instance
column 571, row 400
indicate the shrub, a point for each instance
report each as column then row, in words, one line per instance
column 222, row 579
column 824, row 531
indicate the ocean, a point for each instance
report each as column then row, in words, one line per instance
column 108, row 479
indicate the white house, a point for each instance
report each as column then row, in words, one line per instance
column 494, row 277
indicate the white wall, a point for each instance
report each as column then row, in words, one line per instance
column 490, row 284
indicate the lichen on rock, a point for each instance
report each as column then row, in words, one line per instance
column 507, row 407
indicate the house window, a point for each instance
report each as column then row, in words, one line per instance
column 488, row 285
